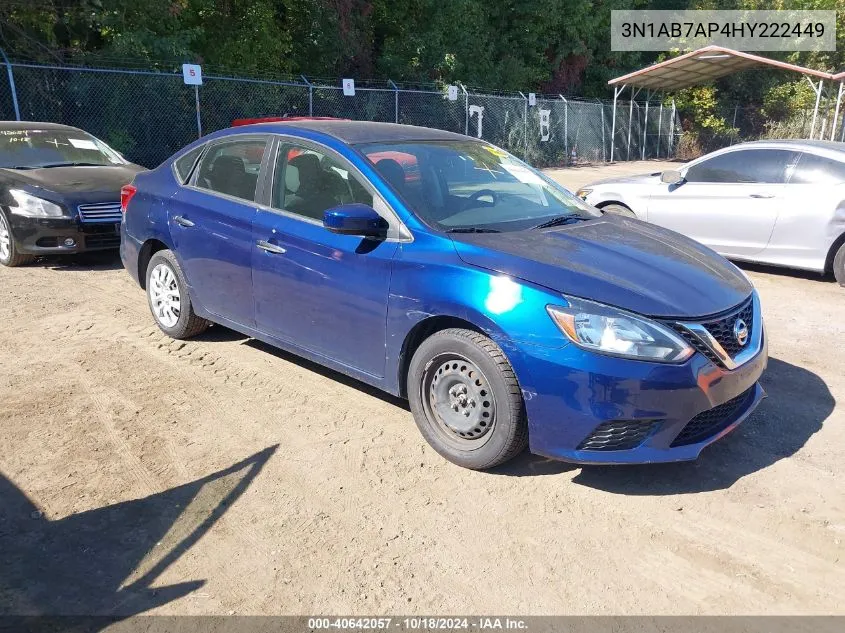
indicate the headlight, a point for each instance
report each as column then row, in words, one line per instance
column 610, row 331
column 583, row 193
column 33, row 206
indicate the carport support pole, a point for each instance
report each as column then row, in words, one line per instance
column 11, row 85
column 659, row 125
column 645, row 123
column 818, row 92
column 199, row 121
column 671, row 130
column 616, row 93
column 836, row 112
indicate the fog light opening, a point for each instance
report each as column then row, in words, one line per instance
column 69, row 242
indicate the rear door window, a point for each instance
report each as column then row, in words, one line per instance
column 184, row 165
column 744, row 166
column 232, row 167
column 812, row 169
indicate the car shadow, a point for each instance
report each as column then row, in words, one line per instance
column 108, row 561
column 798, row 403
column 95, row 260
column 329, row 373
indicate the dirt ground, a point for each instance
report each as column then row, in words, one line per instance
column 219, row 476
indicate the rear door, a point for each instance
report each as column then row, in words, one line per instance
column 729, row 202
column 211, row 224
column 323, row 292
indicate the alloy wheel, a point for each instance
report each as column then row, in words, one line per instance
column 458, row 399
column 164, row 295
column 5, row 240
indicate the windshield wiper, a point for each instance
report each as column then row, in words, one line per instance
column 472, row 229
column 80, row 164
column 559, row 221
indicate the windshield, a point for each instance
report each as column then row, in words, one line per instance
column 471, row 186
column 33, row 149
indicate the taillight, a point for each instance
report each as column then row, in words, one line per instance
column 126, row 193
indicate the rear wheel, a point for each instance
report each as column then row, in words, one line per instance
column 9, row 255
column 618, row 209
column 466, row 399
column 839, row 265
column 167, row 294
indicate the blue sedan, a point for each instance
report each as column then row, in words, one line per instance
column 442, row 269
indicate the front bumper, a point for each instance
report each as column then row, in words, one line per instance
column 46, row 236
column 582, row 406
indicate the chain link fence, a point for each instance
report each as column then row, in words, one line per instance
column 150, row 115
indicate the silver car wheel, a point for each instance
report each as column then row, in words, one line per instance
column 164, row 295
column 5, row 240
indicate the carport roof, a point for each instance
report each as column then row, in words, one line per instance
column 703, row 66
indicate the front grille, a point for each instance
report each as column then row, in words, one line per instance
column 722, row 330
column 708, row 423
column 100, row 212
column 618, row 435
column 102, row 241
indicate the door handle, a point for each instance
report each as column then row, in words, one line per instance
column 183, row 221
column 271, row 248
column 764, row 196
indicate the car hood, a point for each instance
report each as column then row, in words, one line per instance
column 616, row 261
column 642, row 179
column 70, row 180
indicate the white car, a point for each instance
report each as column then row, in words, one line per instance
column 773, row 202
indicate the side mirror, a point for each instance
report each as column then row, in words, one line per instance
column 355, row 219
column 671, row 177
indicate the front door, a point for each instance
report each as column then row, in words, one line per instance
column 729, row 202
column 323, row 292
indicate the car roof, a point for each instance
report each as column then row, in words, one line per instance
column 35, row 125
column 807, row 145
column 355, row 132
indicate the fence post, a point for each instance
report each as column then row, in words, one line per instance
column 11, row 85
column 524, row 126
column 603, row 153
column 565, row 128
column 395, row 100
column 199, row 121
column 310, row 95
column 466, row 110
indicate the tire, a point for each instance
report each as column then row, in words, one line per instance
column 455, row 371
column 839, row 265
column 9, row 255
column 618, row 209
column 164, row 281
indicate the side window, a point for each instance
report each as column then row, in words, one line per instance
column 812, row 169
column 307, row 182
column 744, row 166
column 232, row 167
column 184, row 165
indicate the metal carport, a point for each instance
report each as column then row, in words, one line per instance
column 703, row 66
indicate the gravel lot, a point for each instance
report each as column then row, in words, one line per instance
column 220, row 476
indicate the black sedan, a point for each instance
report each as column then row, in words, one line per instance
column 59, row 191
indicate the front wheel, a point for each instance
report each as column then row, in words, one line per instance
column 839, row 265
column 9, row 255
column 466, row 399
column 167, row 294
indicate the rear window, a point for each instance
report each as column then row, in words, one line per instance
column 184, row 165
